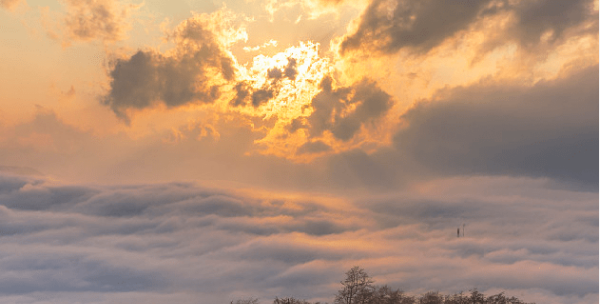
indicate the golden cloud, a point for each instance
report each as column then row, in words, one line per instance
column 87, row 20
column 9, row 4
column 294, row 87
column 303, row 102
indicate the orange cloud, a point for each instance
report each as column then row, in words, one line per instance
column 10, row 4
column 283, row 90
column 87, row 20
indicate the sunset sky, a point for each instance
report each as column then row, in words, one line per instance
column 202, row 151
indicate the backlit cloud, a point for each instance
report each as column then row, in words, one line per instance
column 291, row 87
column 344, row 110
column 388, row 26
column 193, row 73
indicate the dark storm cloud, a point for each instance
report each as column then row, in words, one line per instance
column 388, row 26
column 548, row 130
column 149, row 77
column 343, row 111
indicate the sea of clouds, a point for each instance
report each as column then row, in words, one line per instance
column 185, row 243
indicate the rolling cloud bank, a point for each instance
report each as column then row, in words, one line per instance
column 184, row 243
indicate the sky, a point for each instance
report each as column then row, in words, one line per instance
column 203, row 151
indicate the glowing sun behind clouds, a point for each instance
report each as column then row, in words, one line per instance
column 191, row 151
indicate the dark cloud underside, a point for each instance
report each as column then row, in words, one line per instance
column 343, row 111
column 548, row 130
column 389, row 26
column 148, row 77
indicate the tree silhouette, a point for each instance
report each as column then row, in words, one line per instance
column 357, row 288
column 386, row 295
column 431, row 298
column 290, row 300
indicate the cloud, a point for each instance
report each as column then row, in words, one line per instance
column 313, row 147
column 193, row 74
column 497, row 128
column 143, row 241
column 343, row 111
column 242, row 91
column 490, row 128
column 9, row 4
column 288, row 71
column 387, row 27
column 19, row 170
column 547, row 130
column 261, row 96
column 45, row 132
column 87, row 20
column 148, row 78
column 534, row 19
column 270, row 89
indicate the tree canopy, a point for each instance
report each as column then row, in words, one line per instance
column 358, row 288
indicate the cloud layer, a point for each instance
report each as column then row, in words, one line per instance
column 546, row 130
column 182, row 242
column 489, row 128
